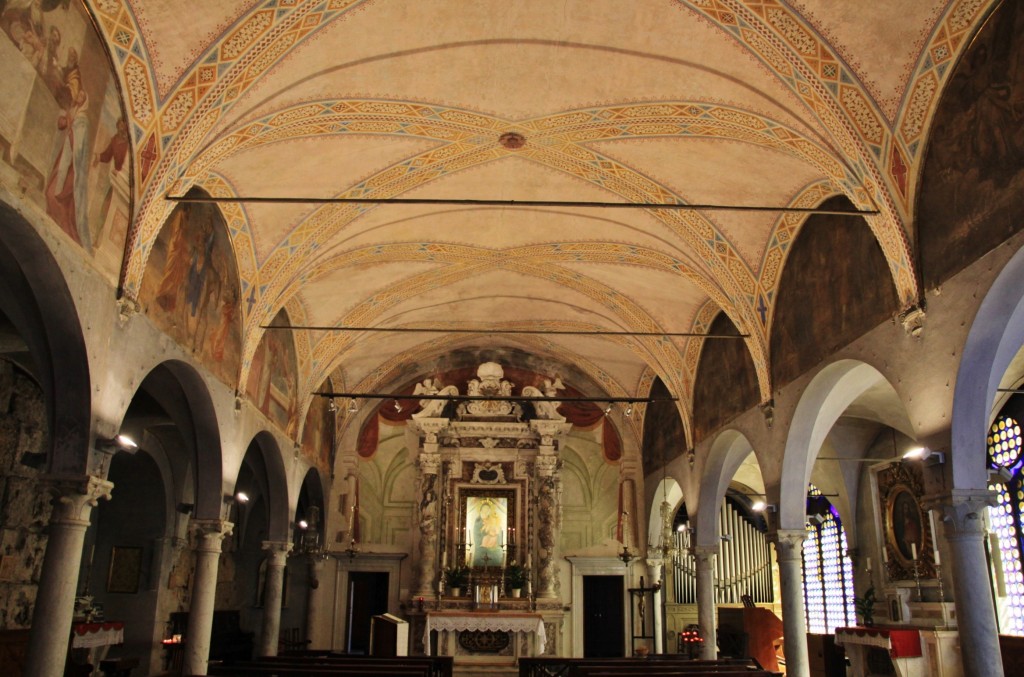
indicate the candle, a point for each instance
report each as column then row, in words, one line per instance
column 885, row 555
column 913, row 551
column 529, row 559
column 869, row 565
column 444, row 559
column 937, row 556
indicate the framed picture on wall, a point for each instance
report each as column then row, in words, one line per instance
column 905, row 526
column 487, row 526
column 125, row 569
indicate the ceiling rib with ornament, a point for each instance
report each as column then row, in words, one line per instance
column 728, row 102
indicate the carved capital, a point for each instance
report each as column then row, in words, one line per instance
column 546, row 466
column 789, row 544
column 430, row 463
column 211, row 533
column 962, row 512
column 912, row 319
column 74, row 498
column 704, row 555
column 277, row 552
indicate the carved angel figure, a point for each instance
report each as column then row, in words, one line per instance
column 432, row 408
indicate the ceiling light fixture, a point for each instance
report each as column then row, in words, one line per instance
column 351, row 406
column 925, row 455
column 332, row 406
column 117, row 443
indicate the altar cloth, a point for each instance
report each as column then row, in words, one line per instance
column 475, row 621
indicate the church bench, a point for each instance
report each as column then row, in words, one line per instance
column 357, row 670
column 438, row 666
column 672, row 663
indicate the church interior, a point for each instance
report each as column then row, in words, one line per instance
column 511, row 332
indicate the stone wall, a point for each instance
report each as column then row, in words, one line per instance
column 24, row 508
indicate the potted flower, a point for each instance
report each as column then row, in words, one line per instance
column 866, row 606
column 456, row 578
column 516, row 577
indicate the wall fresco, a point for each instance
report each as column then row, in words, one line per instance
column 191, row 288
column 61, row 125
column 273, row 377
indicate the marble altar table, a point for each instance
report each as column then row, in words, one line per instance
column 902, row 643
column 469, row 621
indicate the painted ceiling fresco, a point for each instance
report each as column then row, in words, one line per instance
column 686, row 102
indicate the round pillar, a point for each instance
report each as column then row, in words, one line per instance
column 963, row 517
column 789, row 552
column 210, row 534
column 273, row 594
column 314, row 602
column 55, row 600
column 704, row 560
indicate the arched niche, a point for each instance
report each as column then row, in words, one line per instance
column 36, row 301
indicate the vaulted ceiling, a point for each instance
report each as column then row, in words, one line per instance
column 729, row 102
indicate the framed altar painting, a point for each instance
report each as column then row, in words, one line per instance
column 905, row 526
column 487, row 526
column 125, row 569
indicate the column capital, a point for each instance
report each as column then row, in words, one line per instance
column 546, row 465
column 962, row 511
column 430, row 462
column 788, row 543
column 75, row 497
column 211, row 533
column 277, row 552
column 704, row 553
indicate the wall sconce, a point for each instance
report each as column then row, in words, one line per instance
column 302, row 524
column 926, row 455
column 761, row 506
column 116, row 444
column 239, row 497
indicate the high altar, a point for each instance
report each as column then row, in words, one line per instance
column 490, row 492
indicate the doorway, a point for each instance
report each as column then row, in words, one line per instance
column 603, row 617
column 367, row 597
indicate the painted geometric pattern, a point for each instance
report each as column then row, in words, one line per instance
column 206, row 91
column 948, row 41
column 699, row 231
column 805, row 62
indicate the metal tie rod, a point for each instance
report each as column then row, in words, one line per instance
column 553, row 332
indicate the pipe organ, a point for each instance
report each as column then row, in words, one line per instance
column 743, row 565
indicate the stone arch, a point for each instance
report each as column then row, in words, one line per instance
column 36, row 300
column 276, row 484
column 995, row 338
column 183, row 395
column 827, row 396
column 727, row 454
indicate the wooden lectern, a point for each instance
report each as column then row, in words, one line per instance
column 389, row 636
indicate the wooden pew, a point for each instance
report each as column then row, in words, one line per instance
column 660, row 664
column 438, row 666
column 337, row 664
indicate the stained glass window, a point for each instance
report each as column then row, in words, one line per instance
column 828, row 572
column 1004, row 453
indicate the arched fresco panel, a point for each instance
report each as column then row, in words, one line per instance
column 61, row 124
column 191, row 288
column 318, row 432
column 273, row 379
column 972, row 183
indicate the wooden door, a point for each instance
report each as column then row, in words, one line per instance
column 367, row 597
column 603, row 617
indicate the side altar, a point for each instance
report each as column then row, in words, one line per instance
column 489, row 510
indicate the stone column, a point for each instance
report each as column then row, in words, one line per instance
column 55, row 600
column 963, row 514
column 789, row 551
column 273, row 594
column 210, row 534
column 547, row 521
column 314, row 602
column 655, row 568
column 704, row 561
column 430, row 464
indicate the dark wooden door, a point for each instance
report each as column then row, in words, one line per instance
column 603, row 617
column 367, row 597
